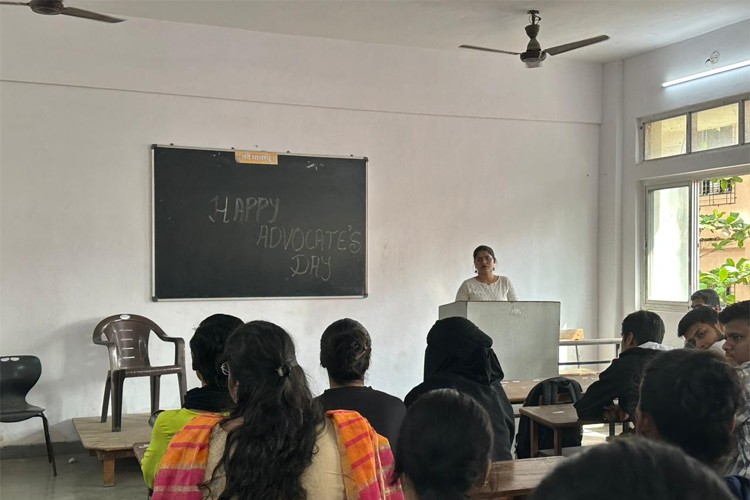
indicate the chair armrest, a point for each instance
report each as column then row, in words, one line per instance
column 179, row 349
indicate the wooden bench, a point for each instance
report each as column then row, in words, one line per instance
column 108, row 446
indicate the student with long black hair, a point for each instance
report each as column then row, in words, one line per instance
column 276, row 443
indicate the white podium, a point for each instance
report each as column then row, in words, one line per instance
column 525, row 335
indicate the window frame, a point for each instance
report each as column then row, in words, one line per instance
column 693, row 180
column 648, row 186
column 687, row 112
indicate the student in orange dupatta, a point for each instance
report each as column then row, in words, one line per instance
column 276, row 443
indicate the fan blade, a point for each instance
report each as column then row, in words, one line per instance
column 14, row 3
column 86, row 14
column 575, row 45
column 474, row 47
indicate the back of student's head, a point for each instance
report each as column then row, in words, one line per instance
column 701, row 314
column 207, row 347
column 646, row 326
column 345, row 348
column 737, row 311
column 631, row 469
column 689, row 398
column 267, row 453
column 444, row 446
column 708, row 296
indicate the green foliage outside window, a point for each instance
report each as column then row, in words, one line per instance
column 720, row 231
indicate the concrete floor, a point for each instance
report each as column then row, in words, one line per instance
column 32, row 479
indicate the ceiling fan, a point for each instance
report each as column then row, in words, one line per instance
column 534, row 54
column 54, row 7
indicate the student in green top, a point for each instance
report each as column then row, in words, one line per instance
column 206, row 350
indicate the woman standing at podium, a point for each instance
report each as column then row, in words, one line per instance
column 486, row 285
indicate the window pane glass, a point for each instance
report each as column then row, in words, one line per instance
column 715, row 127
column 747, row 122
column 665, row 137
column 668, row 257
column 724, row 215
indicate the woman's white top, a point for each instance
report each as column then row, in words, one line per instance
column 473, row 290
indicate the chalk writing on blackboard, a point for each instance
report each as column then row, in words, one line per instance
column 233, row 224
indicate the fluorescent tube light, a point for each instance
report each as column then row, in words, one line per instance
column 716, row 71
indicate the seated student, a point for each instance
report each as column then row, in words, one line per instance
column 705, row 297
column 642, row 333
column 701, row 329
column 689, row 399
column 631, row 469
column 276, row 443
column 206, row 350
column 459, row 356
column 736, row 322
column 444, row 447
column 345, row 350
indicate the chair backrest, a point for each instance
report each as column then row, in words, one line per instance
column 18, row 374
column 550, row 391
column 127, row 337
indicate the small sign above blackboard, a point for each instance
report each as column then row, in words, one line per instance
column 251, row 224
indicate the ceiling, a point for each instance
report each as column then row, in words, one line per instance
column 634, row 26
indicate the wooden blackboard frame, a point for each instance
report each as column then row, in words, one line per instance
column 361, row 290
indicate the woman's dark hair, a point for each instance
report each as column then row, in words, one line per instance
column 631, row 468
column 485, row 248
column 207, row 347
column 445, row 445
column 692, row 397
column 266, row 455
column 701, row 314
column 738, row 310
column 646, row 326
column 345, row 348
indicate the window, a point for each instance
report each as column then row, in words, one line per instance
column 706, row 128
column 665, row 137
column 693, row 245
column 668, row 251
column 715, row 127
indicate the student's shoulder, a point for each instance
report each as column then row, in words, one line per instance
column 390, row 398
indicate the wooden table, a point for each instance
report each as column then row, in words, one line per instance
column 516, row 478
column 557, row 418
column 108, row 446
column 518, row 390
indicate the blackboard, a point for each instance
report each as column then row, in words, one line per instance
column 244, row 224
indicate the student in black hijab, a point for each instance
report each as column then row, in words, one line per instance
column 459, row 356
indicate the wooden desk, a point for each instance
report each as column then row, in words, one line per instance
column 557, row 418
column 516, row 478
column 518, row 390
column 108, row 446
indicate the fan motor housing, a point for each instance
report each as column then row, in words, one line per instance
column 533, row 56
column 46, row 7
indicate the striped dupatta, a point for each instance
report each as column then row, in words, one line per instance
column 183, row 466
column 366, row 458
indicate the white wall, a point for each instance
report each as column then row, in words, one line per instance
column 464, row 149
column 632, row 90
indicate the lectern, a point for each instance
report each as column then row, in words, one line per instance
column 525, row 335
